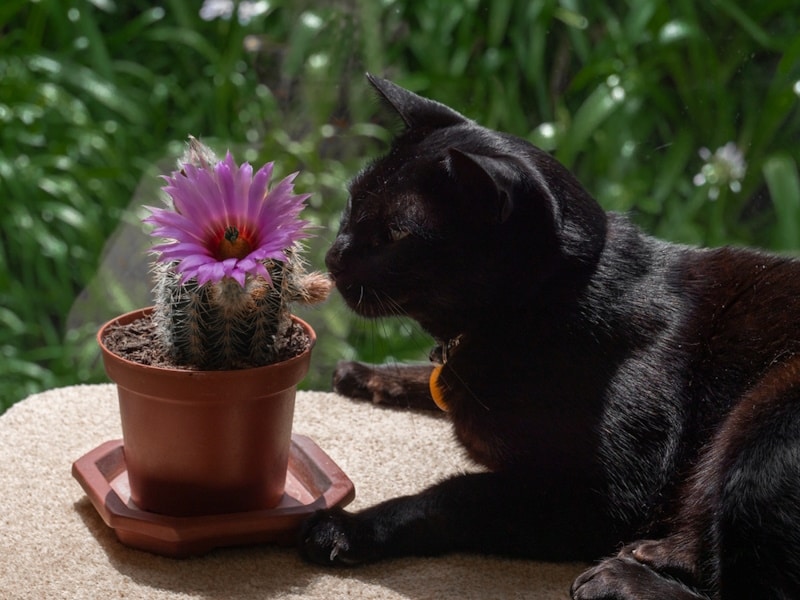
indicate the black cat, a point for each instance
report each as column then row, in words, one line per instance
column 618, row 388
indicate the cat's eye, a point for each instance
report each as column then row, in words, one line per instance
column 397, row 234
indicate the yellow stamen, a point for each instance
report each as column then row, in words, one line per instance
column 233, row 245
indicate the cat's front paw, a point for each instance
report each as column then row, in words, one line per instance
column 355, row 380
column 624, row 578
column 336, row 538
column 402, row 386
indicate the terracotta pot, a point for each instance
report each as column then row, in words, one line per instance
column 205, row 442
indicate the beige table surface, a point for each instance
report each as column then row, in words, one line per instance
column 53, row 544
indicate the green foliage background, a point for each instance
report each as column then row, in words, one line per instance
column 98, row 96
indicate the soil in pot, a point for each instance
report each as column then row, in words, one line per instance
column 138, row 341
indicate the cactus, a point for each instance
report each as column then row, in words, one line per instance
column 231, row 267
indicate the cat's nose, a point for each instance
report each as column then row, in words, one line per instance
column 333, row 258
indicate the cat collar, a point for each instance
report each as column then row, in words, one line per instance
column 439, row 356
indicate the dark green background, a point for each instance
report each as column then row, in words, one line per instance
column 97, row 98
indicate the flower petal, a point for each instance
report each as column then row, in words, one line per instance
column 210, row 272
column 261, row 269
column 239, row 277
column 181, row 252
column 258, row 190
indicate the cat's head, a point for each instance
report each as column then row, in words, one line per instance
column 457, row 221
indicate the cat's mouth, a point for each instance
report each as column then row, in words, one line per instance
column 370, row 302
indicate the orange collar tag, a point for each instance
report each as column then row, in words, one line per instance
column 436, row 390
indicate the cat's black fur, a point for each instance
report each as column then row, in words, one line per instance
column 619, row 389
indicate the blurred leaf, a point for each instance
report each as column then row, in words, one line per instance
column 87, row 82
column 499, row 14
column 600, row 104
column 173, row 37
column 12, row 322
column 637, row 21
column 783, row 181
column 747, row 24
column 672, row 168
column 9, row 9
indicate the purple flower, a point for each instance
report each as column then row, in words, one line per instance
column 225, row 222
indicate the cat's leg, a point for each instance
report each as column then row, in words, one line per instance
column 488, row 513
column 737, row 533
column 404, row 386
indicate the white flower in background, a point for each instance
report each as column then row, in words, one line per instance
column 726, row 166
column 223, row 9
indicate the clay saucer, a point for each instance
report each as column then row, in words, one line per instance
column 313, row 482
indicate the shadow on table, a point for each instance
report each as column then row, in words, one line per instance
column 265, row 571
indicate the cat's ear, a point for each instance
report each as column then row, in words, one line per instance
column 489, row 177
column 415, row 110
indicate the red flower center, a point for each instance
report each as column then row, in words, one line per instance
column 233, row 244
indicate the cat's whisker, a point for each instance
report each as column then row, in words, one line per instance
column 394, row 308
column 384, row 308
column 360, row 295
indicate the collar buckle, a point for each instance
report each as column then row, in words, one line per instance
column 441, row 353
